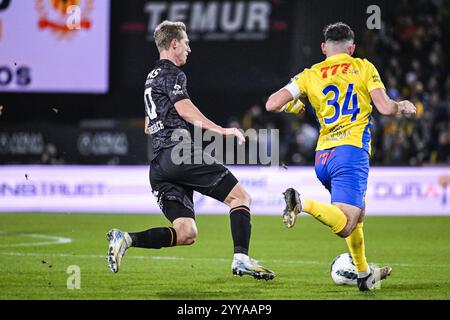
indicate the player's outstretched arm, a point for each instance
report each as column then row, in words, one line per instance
column 278, row 100
column 189, row 112
column 282, row 100
column 388, row 107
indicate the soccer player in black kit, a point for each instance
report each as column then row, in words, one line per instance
column 168, row 110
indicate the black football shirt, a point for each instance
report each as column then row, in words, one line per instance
column 166, row 84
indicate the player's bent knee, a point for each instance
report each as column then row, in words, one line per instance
column 347, row 231
column 186, row 230
column 186, row 241
column 238, row 197
column 352, row 220
column 246, row 198
column 353, row 214
column 242, row 197
column 186, row 237
column 362, row 215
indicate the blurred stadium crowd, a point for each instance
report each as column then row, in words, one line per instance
column 411, row 53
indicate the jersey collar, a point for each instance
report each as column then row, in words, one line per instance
column 165, row 61
column 336, row 57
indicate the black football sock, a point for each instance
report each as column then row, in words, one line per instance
column 155, row 238
column 240, row 228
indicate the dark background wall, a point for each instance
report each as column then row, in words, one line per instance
column 231, row 73
column 312, row 16
column 225, row 77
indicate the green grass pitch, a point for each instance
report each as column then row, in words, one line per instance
column 418, row 249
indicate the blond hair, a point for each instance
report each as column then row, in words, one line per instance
column 166, row 31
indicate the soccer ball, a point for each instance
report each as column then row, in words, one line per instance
column 343, row 270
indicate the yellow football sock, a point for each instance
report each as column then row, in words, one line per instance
column 328, row 214
column 355, row 242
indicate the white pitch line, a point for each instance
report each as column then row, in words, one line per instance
column 55, row 240
column 171, row 258
column 89, row 256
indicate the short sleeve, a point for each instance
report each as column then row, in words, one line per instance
column 372, row 77
column 177, row 88
column 300, row 81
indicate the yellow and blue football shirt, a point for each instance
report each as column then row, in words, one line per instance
column 339, row 90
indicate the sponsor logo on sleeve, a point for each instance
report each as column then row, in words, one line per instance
column 177, row 90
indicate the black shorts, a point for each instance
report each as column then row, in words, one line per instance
column 173, row 185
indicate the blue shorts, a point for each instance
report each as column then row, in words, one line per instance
column 343, row 170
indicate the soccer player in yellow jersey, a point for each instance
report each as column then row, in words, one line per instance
column 340, row 89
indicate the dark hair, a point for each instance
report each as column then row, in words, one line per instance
column 338, row 31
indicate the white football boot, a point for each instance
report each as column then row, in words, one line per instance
column 248, row 266
column 118, row 245
column 371, row 281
